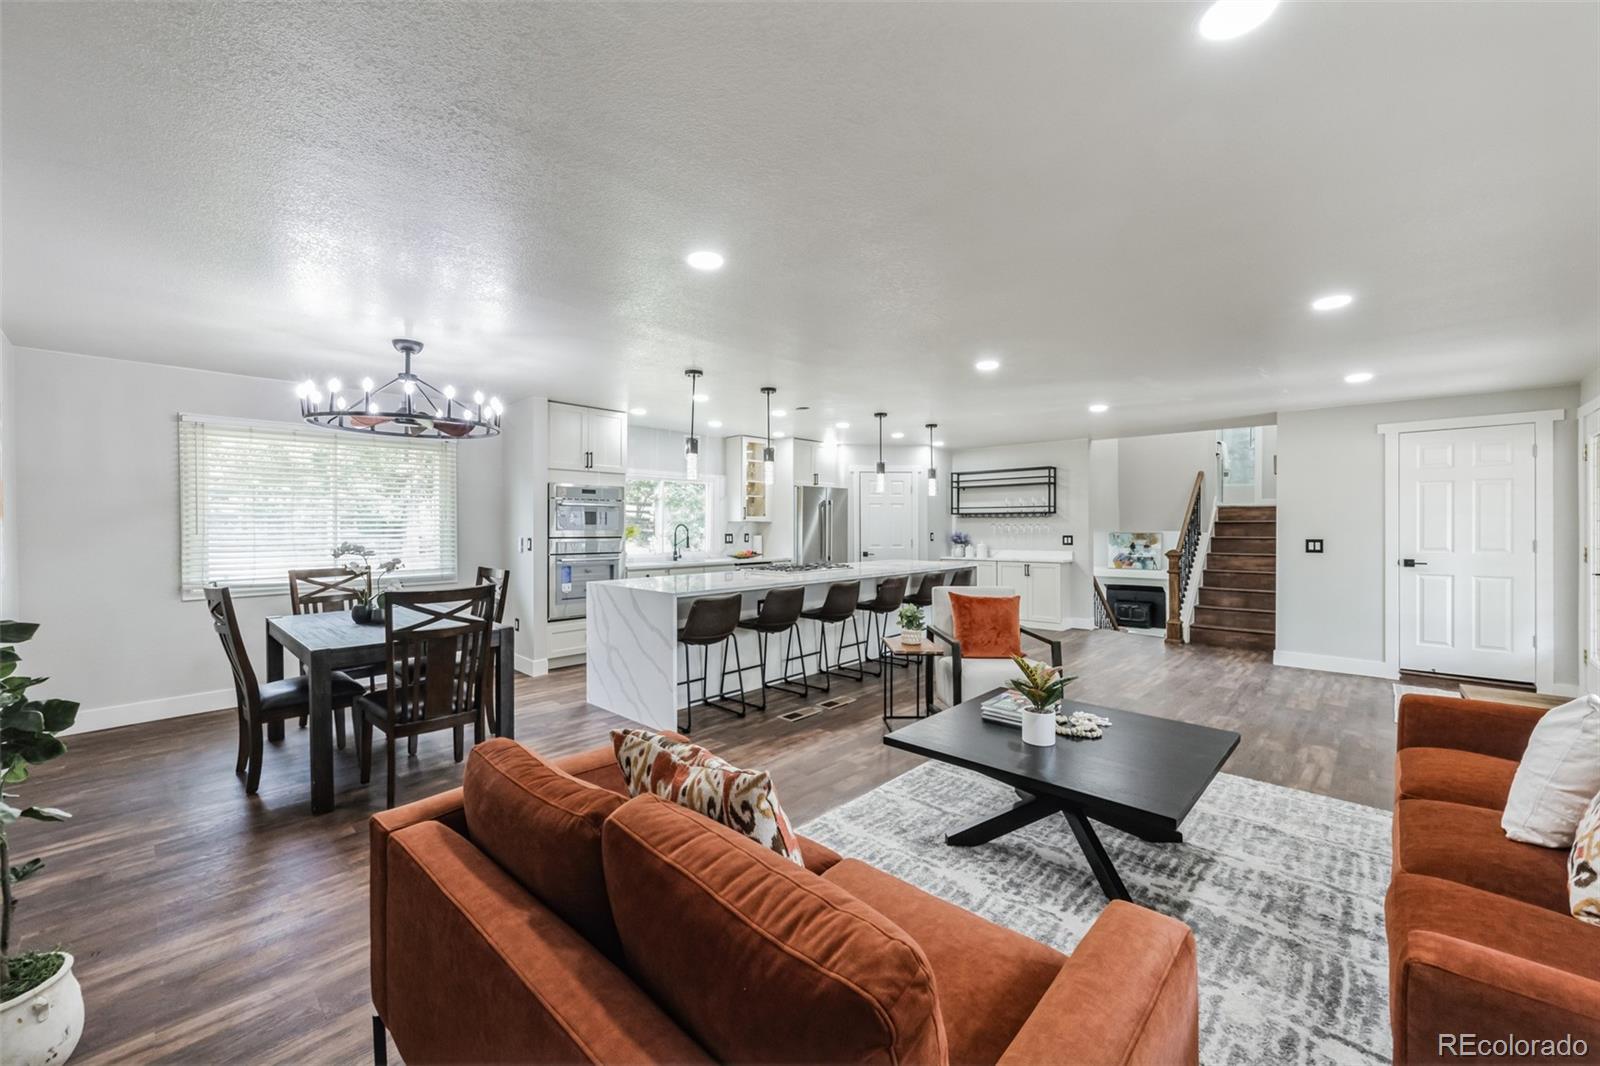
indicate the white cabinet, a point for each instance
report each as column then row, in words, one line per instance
column 568, row 637
column 1039, row 585
column 589, row 439
column 814, row 463
column 748, row 491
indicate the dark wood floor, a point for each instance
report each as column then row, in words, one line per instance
column 214, row 927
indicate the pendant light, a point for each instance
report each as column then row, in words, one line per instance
column 691, row 443
column 933, row 471
column 882, row 481
column 768, row 466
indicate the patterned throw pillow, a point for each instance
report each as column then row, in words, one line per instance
column 690, row 776
column 1583, row 880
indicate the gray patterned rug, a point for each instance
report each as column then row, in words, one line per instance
column 1283, row 889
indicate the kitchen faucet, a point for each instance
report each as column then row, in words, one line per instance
column 677, row 554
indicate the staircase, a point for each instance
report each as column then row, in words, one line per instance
column 1237, row 606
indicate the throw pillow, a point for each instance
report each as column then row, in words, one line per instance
column 1558, row 775
column 987, row 627
column 1583, row 866
column 692, row 777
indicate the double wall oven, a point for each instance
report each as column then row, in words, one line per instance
column 585, row 543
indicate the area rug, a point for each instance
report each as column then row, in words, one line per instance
column 1283, row 889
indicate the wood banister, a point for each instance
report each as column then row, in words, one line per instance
column 1181, row 558
column 1104, row 616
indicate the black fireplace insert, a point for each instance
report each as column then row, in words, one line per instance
column 1138, row 606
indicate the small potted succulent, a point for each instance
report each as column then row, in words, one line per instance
column 912, row 625
column 369, row 601
column 41, row 1003
column 959, row 542
column 1041, row 686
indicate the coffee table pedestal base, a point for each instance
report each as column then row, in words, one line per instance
column 1030, row 809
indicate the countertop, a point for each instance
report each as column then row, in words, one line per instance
column 1015, row 555
column 749, row 579
column 705, row 560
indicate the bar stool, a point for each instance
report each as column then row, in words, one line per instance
column 890, row 594
column 839, row 606
column 711, row 621
column 779, row 613
column 964, row 577
column 923, row 597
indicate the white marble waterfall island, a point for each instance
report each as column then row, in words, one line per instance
column 635, row 663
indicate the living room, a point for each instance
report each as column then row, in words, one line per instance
column 1082, row 519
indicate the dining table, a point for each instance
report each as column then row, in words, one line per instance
column 333, row 640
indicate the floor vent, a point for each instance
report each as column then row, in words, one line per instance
column 836, row 701
column 801, row 715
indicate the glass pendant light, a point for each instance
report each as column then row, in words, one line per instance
column 933, row 471
column 882, row 481
column 691, row 443
column 769, row 471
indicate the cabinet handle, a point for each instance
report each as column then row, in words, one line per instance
column 1027, row 569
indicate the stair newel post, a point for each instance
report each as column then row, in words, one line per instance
column 1174, row 596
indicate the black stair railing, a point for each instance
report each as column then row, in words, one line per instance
column 1180, row 560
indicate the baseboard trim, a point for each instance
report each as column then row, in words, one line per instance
column 117, row 715
column 527, row 664
column 1570, row 691
column 1335, row 664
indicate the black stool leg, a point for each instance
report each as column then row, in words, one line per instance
column 722, row 682
column 787, row 681
column 380, row 1043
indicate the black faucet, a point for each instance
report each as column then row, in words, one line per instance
column 677, row 554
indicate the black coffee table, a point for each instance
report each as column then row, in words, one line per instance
column 1143, row 776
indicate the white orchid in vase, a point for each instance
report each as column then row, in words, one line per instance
column 357, row 559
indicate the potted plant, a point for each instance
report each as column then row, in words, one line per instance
column 959, row 542
column 912, row 625
column 1041, row 686
column 41, row 1004
column 369, row 601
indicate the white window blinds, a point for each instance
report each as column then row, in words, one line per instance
column 260, row 499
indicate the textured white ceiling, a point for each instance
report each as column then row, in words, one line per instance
column 1117, row 209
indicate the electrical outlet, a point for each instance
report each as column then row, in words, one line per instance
column 516, row 625
column 930, row 536
column 727, row 538
column 1314, row 545
column 1066, row 540
column 747, row 538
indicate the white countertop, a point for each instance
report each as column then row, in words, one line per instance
column 750, row 579
column 1014, row 555
column 667, row 562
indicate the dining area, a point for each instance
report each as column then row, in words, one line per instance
column 402, row 662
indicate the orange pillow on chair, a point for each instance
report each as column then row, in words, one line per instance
column 987, row 627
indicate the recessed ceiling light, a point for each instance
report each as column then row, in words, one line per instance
column 896, row 435
column 779, row 433
column 938, row 444
column 715, row 423
column 780, row 414
column 701, row 397
column 841, row 425
column 1360, row 377
column 637, row 411
column 1332, row 302
column 1227, row 19
column 705, row 260
column 987, row 365
column 1099, row 408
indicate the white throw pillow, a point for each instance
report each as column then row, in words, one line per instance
column 1558, row 776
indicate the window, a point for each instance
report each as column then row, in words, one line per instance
column 655, row 506
column 260, row 499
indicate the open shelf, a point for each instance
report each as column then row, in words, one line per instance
column 983, row 493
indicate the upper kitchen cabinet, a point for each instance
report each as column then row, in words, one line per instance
column 588, row 439
column 749, row 494
column 813, row 463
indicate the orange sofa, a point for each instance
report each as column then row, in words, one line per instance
column 1481, row 942
column 538, row 915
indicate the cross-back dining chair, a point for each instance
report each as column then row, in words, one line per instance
column 436, row 661
column 260, row 704
column 500, row 580
column 322, row 590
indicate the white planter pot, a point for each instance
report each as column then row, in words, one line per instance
column 1039, row 729
column 911, row 637
column 43, row 1025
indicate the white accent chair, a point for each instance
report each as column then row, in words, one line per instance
column 956, row 678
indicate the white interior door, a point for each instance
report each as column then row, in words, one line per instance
column 1591, row 555
column 1467, row 552
column 888, row 518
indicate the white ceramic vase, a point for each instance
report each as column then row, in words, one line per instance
column 1039, row 729
column 43, row 1024
column 911, row 637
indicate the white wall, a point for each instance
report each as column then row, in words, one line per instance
column 8, row 484
column 1155, row 475
column 96, row 530
column 1589, row 388
column 1071, row 458
column 1331, row 486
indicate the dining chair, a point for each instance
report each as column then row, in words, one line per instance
column 436, row 661
column 261, row 704
column 501, row 582
column 320, row 591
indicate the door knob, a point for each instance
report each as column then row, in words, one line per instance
column 1411, row 562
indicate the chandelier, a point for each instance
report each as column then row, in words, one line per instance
column 404, row 406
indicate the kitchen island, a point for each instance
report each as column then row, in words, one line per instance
column 635, row 663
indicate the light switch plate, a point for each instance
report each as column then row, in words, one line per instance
column 747, row 538
column 1314, row 545
column 727, row 538
column 1066, row 540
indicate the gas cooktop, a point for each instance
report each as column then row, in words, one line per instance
column 798, row 568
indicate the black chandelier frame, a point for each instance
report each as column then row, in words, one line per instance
column 404, row 406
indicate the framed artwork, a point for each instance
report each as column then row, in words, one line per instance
column 1135, row 551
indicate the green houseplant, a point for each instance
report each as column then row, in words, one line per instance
column 912, row 624
column 1042, row 687
column 41, row 1005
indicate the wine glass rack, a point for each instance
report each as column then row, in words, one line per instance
column 984, row 493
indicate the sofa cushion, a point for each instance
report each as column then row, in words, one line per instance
column 521, row 811
column 691, row 776
column 990, row 978
column 1558, row 775
column 1453, row 776
column 1464, row 844
column 1583, row 867
column 802, row 968
column 987, row 627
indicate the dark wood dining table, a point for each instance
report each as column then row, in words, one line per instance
column 333, row 641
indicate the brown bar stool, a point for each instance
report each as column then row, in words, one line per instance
column 923, row 597
column 780, row 613
column 968, row 576
column 839, row 606
column 886, row 599
column 711, row 621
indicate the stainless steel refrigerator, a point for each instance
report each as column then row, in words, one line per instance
column 821, row 524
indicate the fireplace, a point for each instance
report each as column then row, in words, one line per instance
column 1138, row 606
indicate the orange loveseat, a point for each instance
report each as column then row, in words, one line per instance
column 652, row 934
column 1481, row 941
